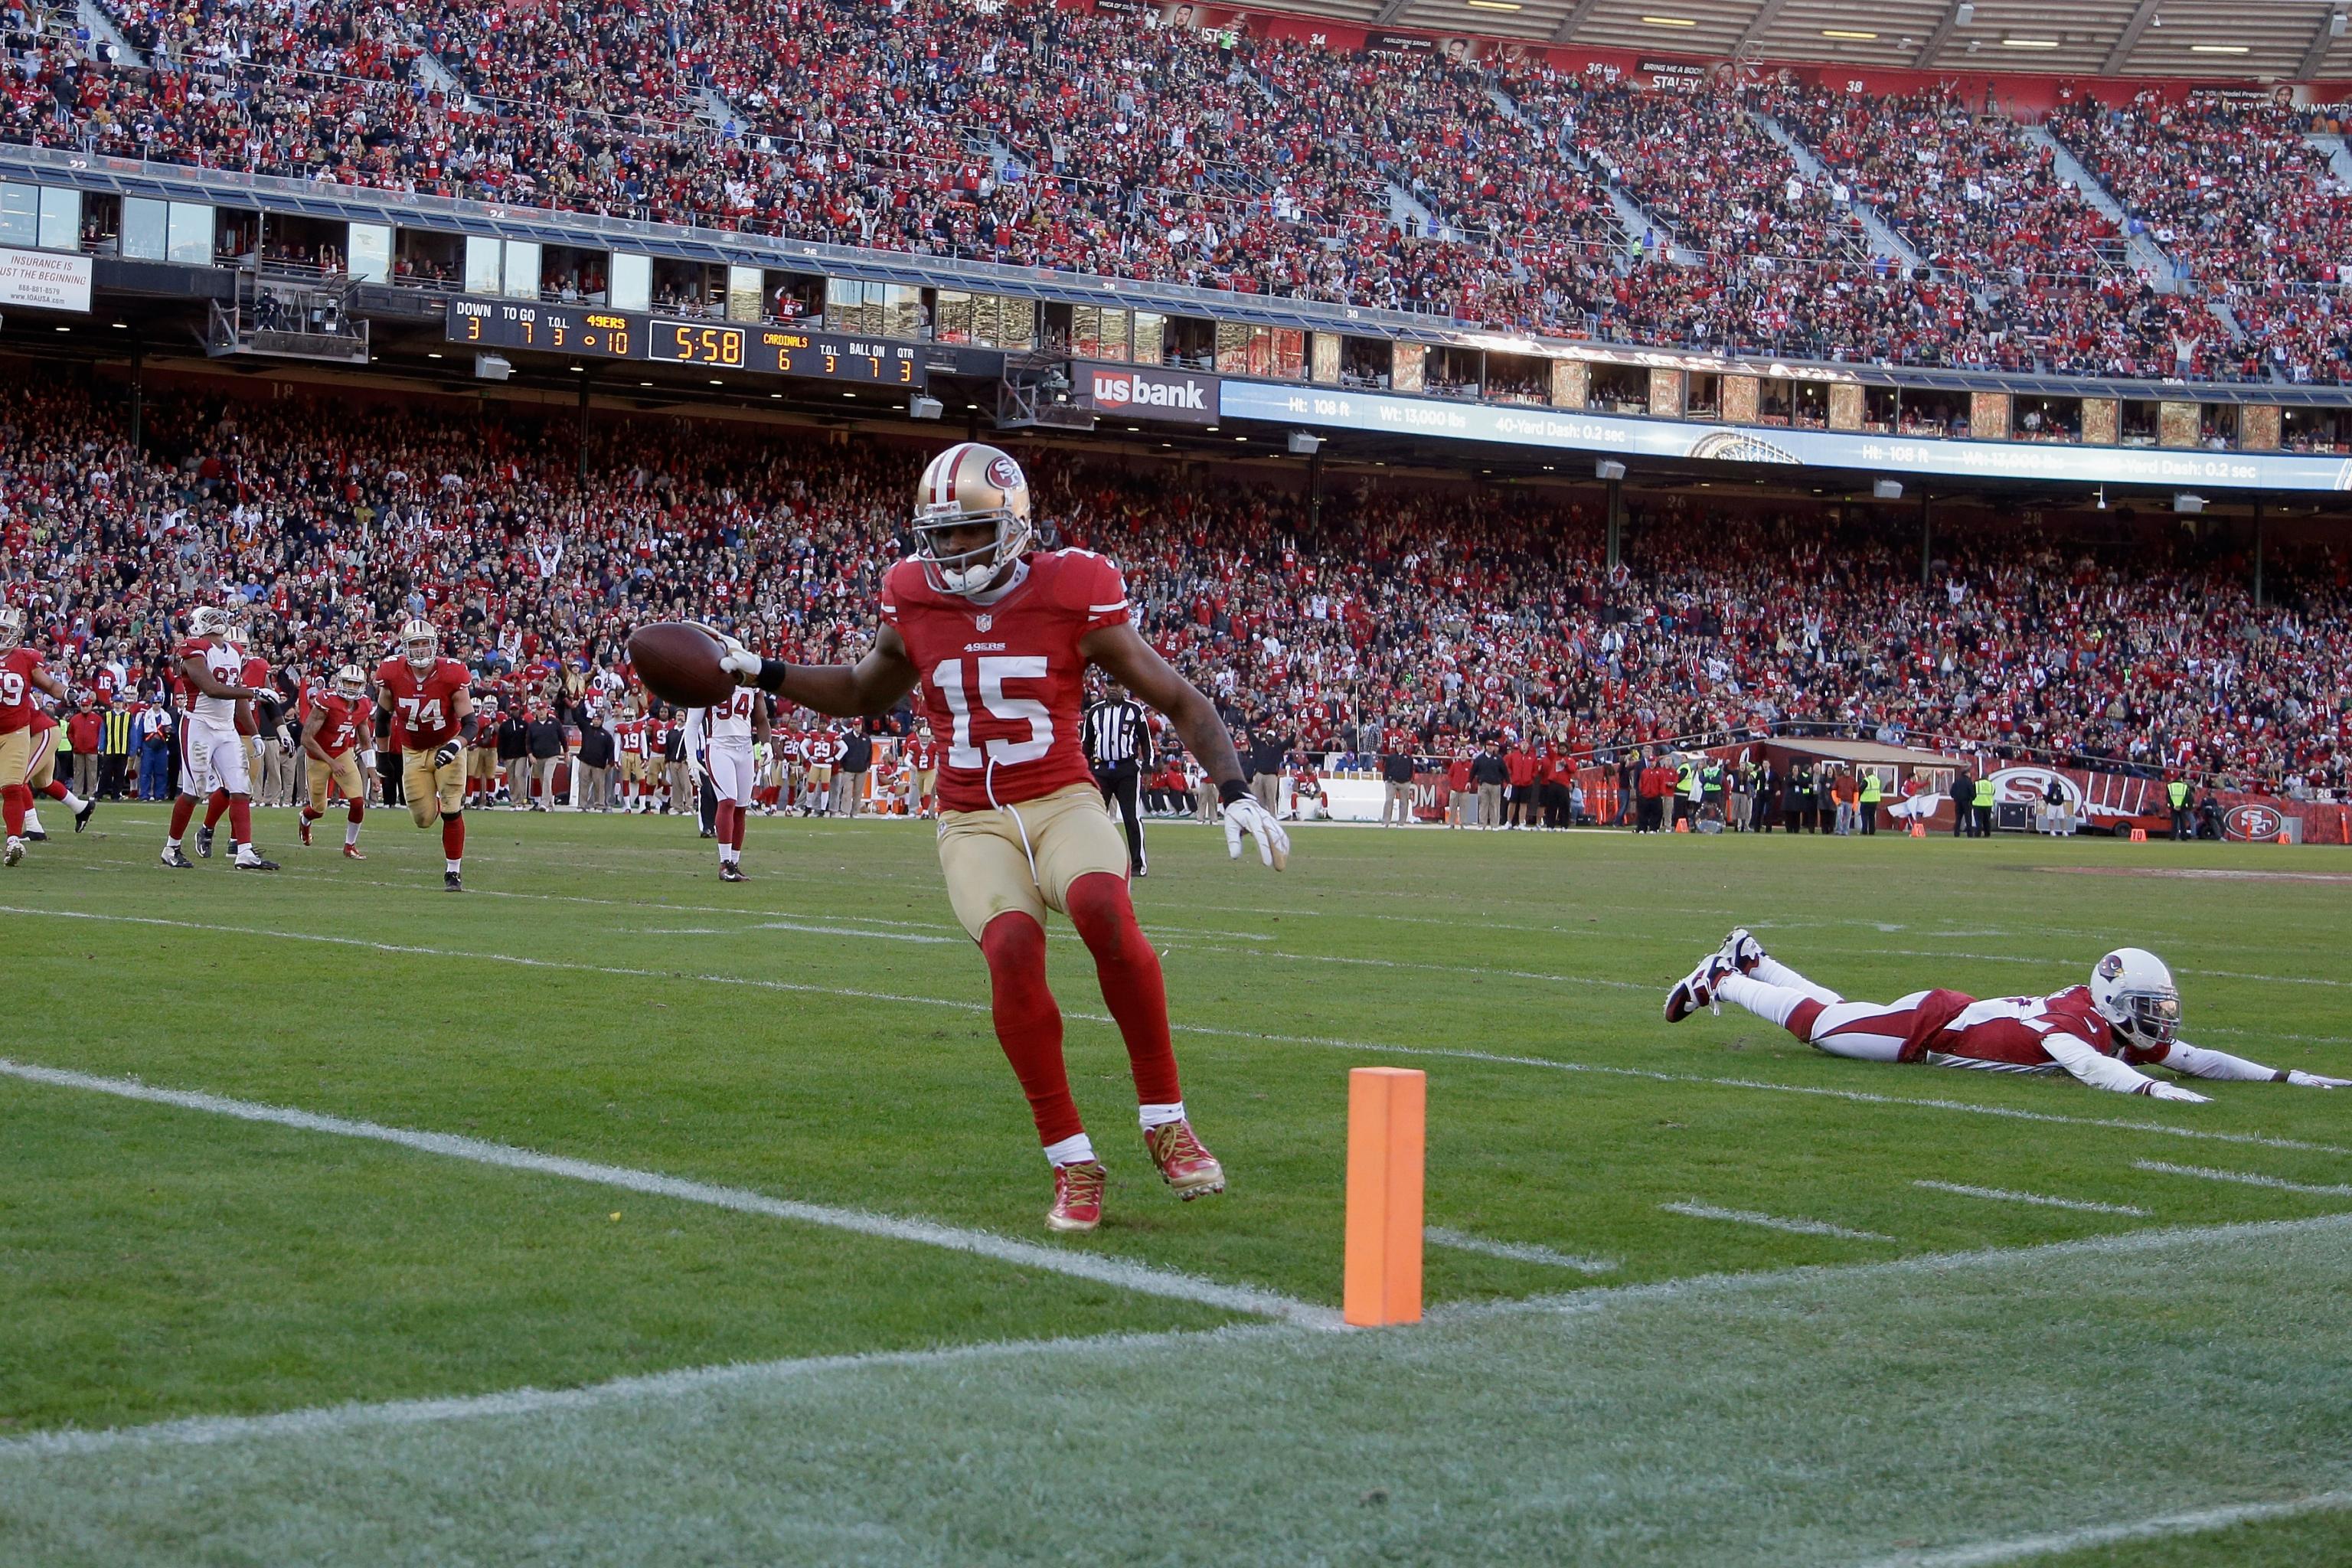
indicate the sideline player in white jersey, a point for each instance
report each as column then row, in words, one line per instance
column 2126, row 1019
column 728, row 732
column 214, row 759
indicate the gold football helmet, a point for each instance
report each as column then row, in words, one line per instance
column 967, row 484
column 419, row 644
column 350, row 684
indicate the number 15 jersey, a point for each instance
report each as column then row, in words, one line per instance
column 1002, row 683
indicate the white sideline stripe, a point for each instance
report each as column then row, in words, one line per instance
column 1773, row 1222
column 1517, row 1251
column 2114, row 1243
column 330, row 1420
column 2245, row 1178
column 1447, row 1052
column 1987, row 1552
column 2000, row 1196
column 1121, row 1273
column 795, row 925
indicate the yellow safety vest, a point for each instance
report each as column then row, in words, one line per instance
column 2178, row 792
column 1984, row 792
column 1872, row 790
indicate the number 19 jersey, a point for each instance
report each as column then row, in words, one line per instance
column 1002, row 683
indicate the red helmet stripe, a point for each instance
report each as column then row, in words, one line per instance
column 949, row 460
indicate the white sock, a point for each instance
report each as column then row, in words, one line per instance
column 1772, row 971
column 32, row 820
column 1076, row 1151
column 452, row 865
column 171, row 843
column 1153, row 1116
column 350, row 833
column 1771, row 1003
column 74, row 803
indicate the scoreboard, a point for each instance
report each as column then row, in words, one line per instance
column 588, row 332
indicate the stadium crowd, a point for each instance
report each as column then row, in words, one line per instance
column 1097, row 142
column 1420, row 620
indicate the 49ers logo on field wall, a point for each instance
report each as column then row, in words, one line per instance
column 2257, row 824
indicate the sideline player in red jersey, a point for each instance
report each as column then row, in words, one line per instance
column 998, row 637
column 330, row 738
column 2126, row 1019
column 21, row 675
column 424, row 705
column 216, row 759
column 922, row 754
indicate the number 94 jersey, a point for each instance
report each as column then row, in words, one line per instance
column 1002, row 683
column 424, row 704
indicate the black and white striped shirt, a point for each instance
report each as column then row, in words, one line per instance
column 1116, row 733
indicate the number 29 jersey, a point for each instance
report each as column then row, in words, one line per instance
column 424, row 704
column 1002, row 683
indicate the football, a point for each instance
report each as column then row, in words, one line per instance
column 679, row 664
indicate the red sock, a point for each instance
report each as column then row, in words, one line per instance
column 213, row 805
column 738, row 840
column 358, row 813
column 240, row 820
column 1029, row 1022
column 312, row 813
column 1131, row 982
column 14, row 798
column 184, row 809
column 55, row 790
column 722, row 822
column 453, row 838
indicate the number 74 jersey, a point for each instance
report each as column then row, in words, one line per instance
column 424, row 703
column 1003, row 684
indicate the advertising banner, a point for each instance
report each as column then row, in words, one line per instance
column 44, row 281
column 1611, row 435
column 1138, row 392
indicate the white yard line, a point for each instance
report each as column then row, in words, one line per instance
column 1517, row 1251
column 330, row 1420
column 2246, row 1179
column 1985, row 1553
column 1121, row 1273
column 1447, row 1052
column 1998, row 1195
column 1773, row 1222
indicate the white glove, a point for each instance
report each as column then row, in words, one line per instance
column 738, row 661
column 1247, row 816
column 2302, row 1080
column 444, row 754
column 2158, row 1090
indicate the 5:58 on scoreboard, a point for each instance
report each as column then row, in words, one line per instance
column 591, row 334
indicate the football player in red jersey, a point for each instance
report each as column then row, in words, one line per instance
column 21, row 675
column 331, row 737
column 424, row 705
column 922, row 756
column 2126, row 1019
column 998, row 637
column 215, row 760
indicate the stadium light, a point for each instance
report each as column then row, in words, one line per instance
column 1607, row 469
column 1305, row 444
column 2187, row 505
column 1887, row 489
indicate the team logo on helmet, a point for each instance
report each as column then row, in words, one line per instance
column 1004, row 473
column 2111, row 966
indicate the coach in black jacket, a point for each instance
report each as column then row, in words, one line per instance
column 544, row 738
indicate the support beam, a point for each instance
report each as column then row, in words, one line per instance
column 1945, row 27
column 2258, row 553
column 2122, row 52
column 583, row 469
column 2322, row 36
column 1616, row 521
column 1927, row 539
column 1765, row 15
column 1389, row 12
column 1574, row 20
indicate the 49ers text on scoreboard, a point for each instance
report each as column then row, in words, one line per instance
column 593, row 334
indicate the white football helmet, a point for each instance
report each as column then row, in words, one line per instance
column 419, row 644
column 2135, row 994
column 350, row 684
column 205, row 621
column 12, row 626
column 971, row 483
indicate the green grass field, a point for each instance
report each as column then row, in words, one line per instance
column 609, row 1214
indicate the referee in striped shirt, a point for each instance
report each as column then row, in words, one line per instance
column 1119, row 748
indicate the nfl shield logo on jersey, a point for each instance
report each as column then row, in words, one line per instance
column 982, row 622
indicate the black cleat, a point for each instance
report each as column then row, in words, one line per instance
column 81, row 817
column 204, row 843
column 730, row 872
column 255, row 864
column 36, row 836
column 177, row 861
column 450, row 883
